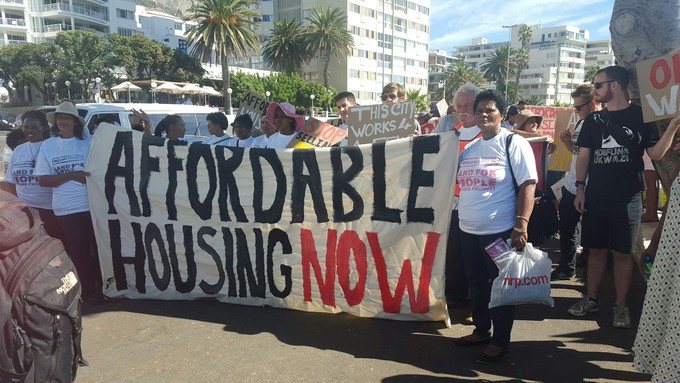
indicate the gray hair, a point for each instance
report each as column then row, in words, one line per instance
column 468, row 87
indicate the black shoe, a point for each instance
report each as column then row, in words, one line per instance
column 560, row 275
column 488, row 359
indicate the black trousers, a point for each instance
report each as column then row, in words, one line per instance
column 82, row 248
column 456, row 286
column 569, row 218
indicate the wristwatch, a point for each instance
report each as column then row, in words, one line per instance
column 579, row 183
column 519, row 230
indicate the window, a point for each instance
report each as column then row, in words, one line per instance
column 355, row 8
column 178, row 26
column 356, row 30
column 125, row 32
column 125, row 14
column 267, row 18
column 353, row 73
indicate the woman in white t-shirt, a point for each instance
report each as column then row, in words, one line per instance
column 20, row 179
column 491, row 206
column 267, row 130
column 61, row 166
column 284, row 118
column 217, row 124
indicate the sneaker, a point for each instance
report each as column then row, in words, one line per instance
column 584, row 306
column 561, row 275
column 621, row 317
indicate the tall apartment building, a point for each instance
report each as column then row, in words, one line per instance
column 478, row 51
column 599, row 54
column 391, row 41
column 437, row 64
column 40, row 20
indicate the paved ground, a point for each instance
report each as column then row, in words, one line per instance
column 206, row 341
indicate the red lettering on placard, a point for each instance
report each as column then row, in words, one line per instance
column 662, row 65
column 351, row 244
column 311, row 260
column 420, row 303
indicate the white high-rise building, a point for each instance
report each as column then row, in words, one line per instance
column 438, row 62
column 391, row 41
column 599, row 54
column 478, row 51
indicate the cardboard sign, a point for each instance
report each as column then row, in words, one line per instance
column 359, row 229
column 380, row 122
column 317, row 134
column 560, row 159
column 658, row 80
column 549, row 114
column 254, row 105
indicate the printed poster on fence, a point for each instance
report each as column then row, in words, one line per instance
column 359, row 229
column 254, row 105
column 658, row 81
column 316, row 133
column 380, row 122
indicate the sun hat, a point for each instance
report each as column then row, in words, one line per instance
column 65, row 107
column 524, row 115
column 289, row 111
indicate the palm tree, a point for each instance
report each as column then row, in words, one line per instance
column 228, row 27
column 526, row 35
column 460, row 73
column 590, row 74
column 284, row 49
column 327, row 34
column 521, row 60
column 497, row 67
column 420, row 99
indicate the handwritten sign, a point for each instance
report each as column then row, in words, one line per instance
column 658, row 80
column 254, row 105
column 549, row 114
column 560, row 159
column 380, row 122
column 357, row 229
column 317, row 134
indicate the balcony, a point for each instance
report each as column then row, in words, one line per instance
column 60, row 7
column 15, row 3
column 12, row 42
column 13, row 22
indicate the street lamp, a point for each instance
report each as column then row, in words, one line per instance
column 267, row 93
column 507, row 62
column 26, row 93
column 54, row 91
column 153, row 91
column 47, row 90
column 312, row 97
column 68, row 88
column 229, row 90
column 82, row 89
column 98, row 96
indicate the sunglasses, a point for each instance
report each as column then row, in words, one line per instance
column 578, row 107
column 598, row 85
column 390, row 96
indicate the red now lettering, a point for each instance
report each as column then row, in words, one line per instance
column 350, row 242
column 310, row 259
column 420, row 303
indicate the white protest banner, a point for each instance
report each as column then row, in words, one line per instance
column 254, row 105
column 316, row 133
column 658, row 81
column 379, row 122
column 359, row 229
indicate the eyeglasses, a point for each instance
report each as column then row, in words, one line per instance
column 390, row 96
column 598, row 85
column 578, row 107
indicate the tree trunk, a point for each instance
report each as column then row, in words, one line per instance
column 643, row 30
column 326, row 61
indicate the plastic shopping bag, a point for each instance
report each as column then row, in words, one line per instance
column 523, row 277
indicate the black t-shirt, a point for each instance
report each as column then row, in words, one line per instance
column 615, row 172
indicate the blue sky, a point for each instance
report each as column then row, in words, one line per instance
column 456, row 22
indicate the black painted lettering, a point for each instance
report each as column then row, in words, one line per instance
column 421, row 178
column 228, row 239
column 273, row 214
column 180, row 285
column 244, row 266
column 153, row 234
column 205, row 286
column 147, row 165
column 279, row 236
column 301, row 159
column 342, row 185
column 228, row 185
column 174, row 166
column 198, row 151
column 380, row 210
column 121, row 144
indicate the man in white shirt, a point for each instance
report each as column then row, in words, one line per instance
column 343, row 101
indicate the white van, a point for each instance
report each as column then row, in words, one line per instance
column 121, row 114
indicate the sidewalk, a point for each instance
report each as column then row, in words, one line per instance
column 206, row 341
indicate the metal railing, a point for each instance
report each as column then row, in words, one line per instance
column 61, row 7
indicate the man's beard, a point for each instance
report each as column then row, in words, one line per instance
column 605, row 98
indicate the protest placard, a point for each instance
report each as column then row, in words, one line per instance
column 254, row 105
column 380, row 122
column 359, row 229
column 658, row 81
column 549, row 114
column 560, row 159
column 442, row 107
column 316, row 133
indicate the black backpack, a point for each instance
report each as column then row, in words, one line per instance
column 43, row 286
column 16, row 358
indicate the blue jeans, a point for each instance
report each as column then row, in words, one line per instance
column 481, row 271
